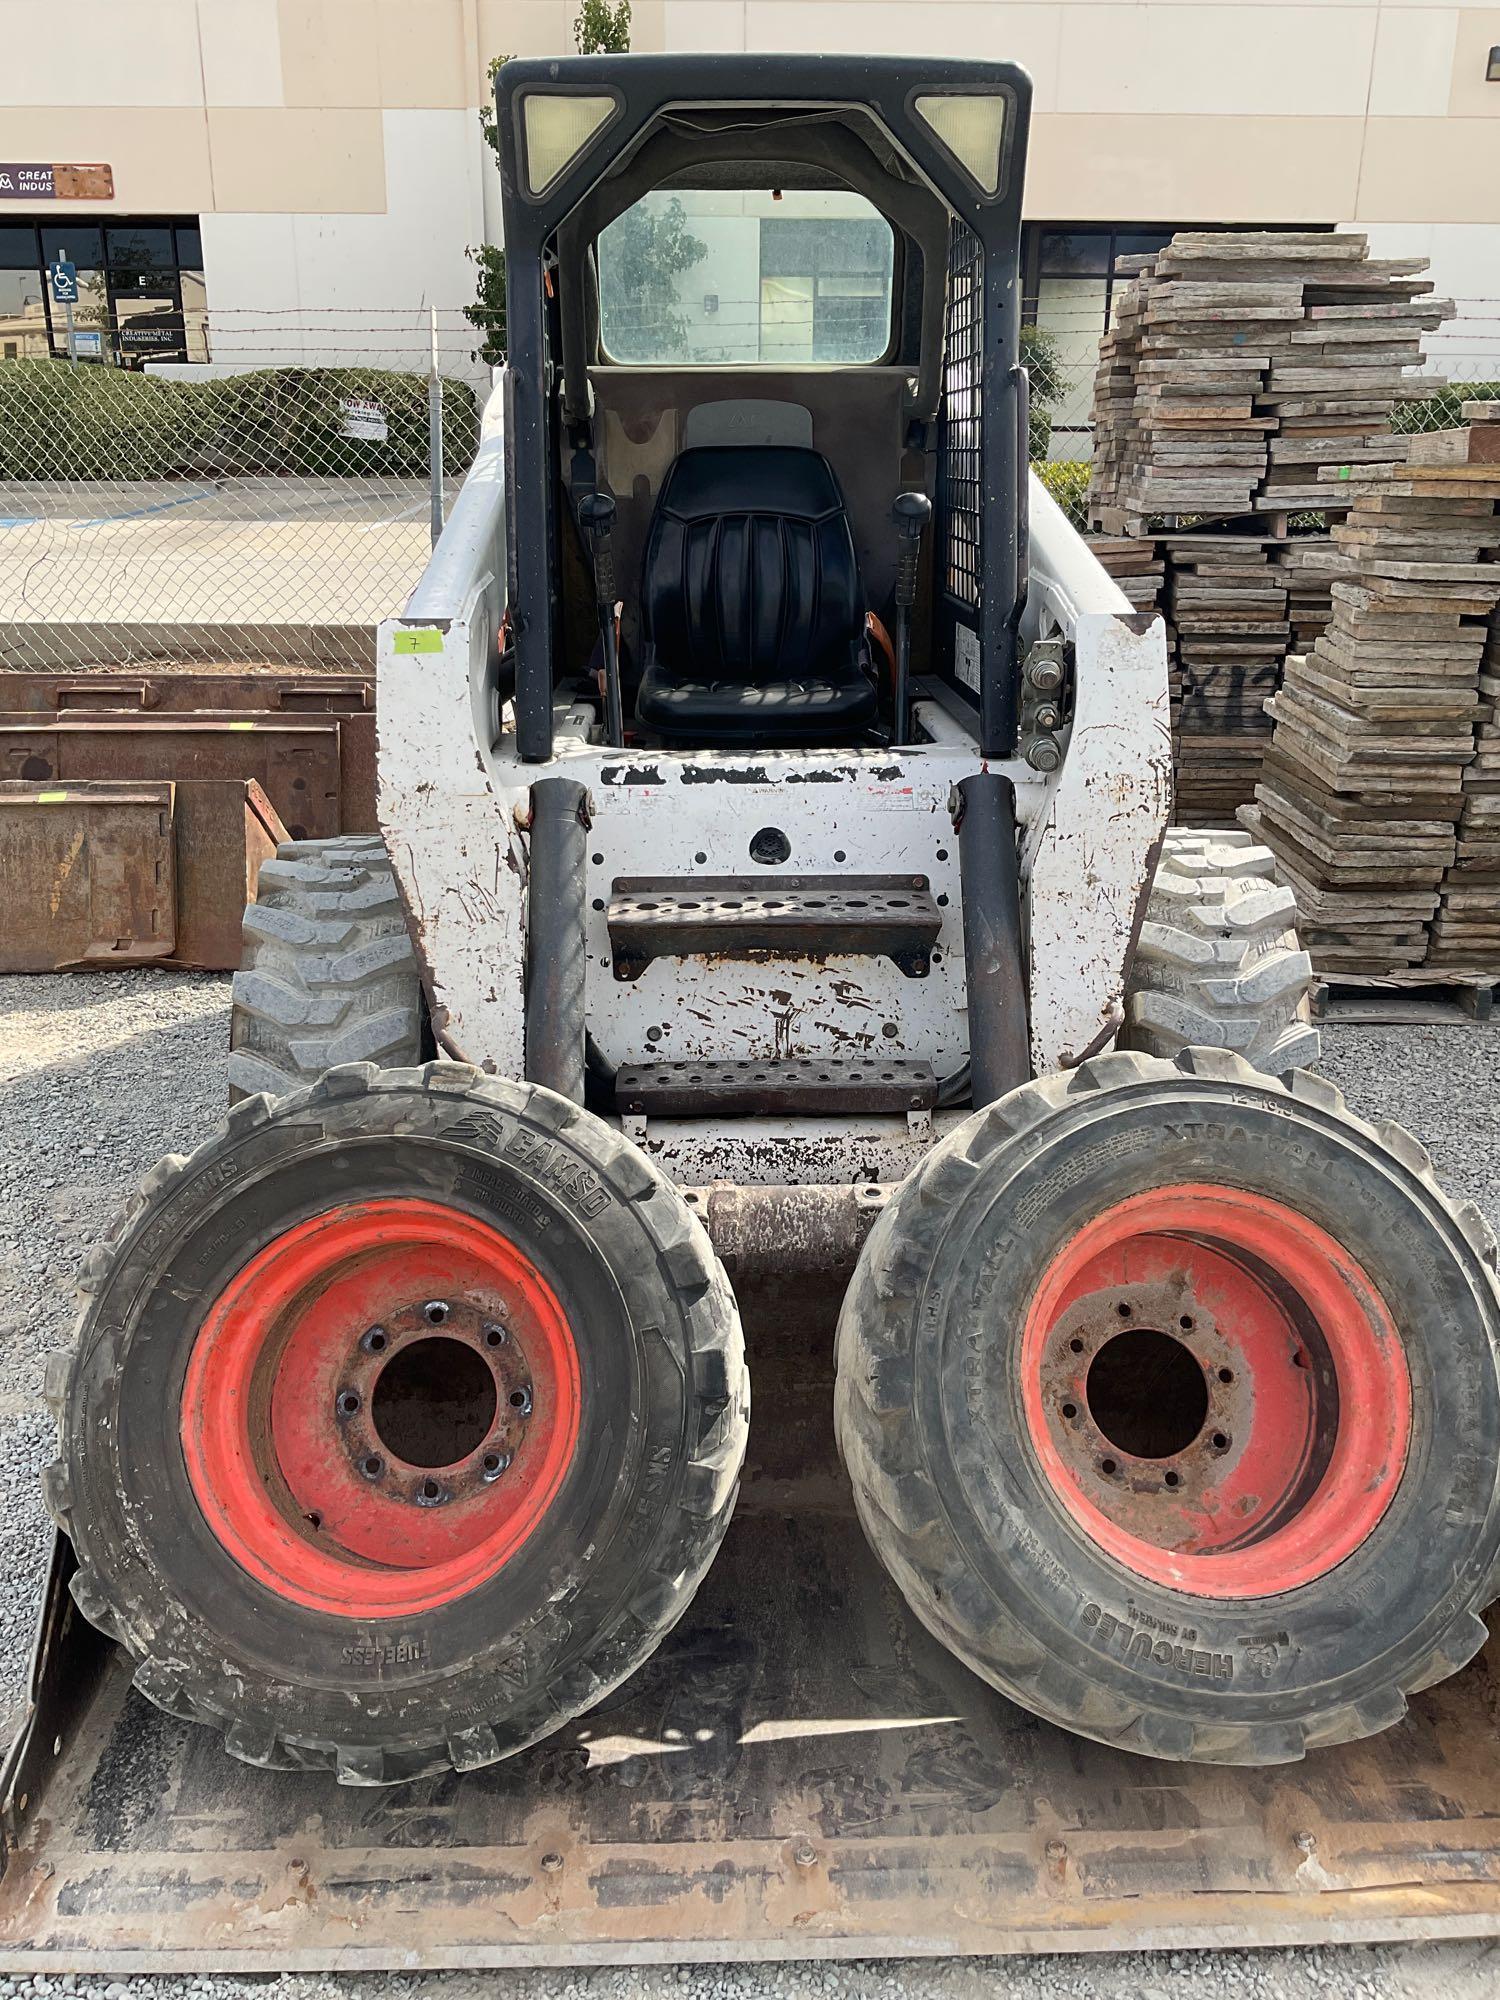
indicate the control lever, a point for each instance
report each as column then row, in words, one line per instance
column 596, row 513
column 911, row 513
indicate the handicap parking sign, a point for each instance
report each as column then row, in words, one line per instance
column 64, row 278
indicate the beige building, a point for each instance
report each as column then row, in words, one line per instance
column 319, row 163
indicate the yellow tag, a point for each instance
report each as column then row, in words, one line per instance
column 428, row 640
column 242, row 725
column 51, row 798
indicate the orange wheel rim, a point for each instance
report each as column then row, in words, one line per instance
column 1216, row 1392
column 380, row 1408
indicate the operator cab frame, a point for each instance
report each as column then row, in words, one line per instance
column 718, row 553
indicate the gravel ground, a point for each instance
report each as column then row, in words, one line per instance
column 101, row 1074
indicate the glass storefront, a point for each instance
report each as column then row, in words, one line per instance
column 140, row 289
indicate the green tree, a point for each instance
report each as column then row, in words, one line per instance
column 1042, row 359
column 646, row 249
column 599, row 28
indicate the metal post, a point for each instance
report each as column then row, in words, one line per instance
column 990, row 874
column 556, row 947
column 72, row 343
column 435, row 434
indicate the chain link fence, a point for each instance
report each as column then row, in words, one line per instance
column 272, row 505
column 269, row 507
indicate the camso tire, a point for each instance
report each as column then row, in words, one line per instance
column 1169, row 1398
column 404, row 1419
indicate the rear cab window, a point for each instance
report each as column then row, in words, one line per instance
column 734, row 277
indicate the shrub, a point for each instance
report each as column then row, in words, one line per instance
column 60, row 422
column 1067, row 480
column 1443, row 411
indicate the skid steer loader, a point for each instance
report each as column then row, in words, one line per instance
column 776, row 915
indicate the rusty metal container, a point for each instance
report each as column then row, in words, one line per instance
column 108, row 873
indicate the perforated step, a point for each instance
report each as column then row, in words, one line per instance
column 743, row 1089
column 807, row 916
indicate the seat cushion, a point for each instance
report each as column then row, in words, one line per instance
column 750, row 583
column 712, row 713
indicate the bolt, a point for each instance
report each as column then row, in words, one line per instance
column 552, row 1863
column 805, row 1854
column 436, row 1311
column 347, row 1402
column 375, row 1340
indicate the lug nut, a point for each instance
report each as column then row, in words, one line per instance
column 347, row 1402
column 436, row 1311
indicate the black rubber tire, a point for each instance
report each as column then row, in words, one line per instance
column 953, row 1497
column 1217, row 964
column 328, row 973
column 606, row 1573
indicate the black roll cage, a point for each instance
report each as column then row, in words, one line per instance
column 848, row 119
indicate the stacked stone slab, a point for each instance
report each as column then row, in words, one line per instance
column 1239, row 365
column 1363, row 783
column 1466, row 930
column 1135, row 564
column 1227, row 611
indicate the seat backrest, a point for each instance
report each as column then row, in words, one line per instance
column 750, row 572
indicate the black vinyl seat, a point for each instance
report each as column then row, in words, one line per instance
column 752, row 607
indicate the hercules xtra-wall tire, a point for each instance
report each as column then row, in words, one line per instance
column 954, row 1492
column 614, row 1560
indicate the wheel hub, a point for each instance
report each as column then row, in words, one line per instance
column 380, row 1407
column 1216, row 1391
column 1150, row 1405
column 432, row 1417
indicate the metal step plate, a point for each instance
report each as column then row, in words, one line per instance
column 836, row 1087
column 793, row 916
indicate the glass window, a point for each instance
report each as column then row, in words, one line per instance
column 23, row 310
column 78, row 242
column 140, row 259
column 1075, row 253
column 18, row 251
column 744, row 276
column 190, row 247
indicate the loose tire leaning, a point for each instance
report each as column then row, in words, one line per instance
column 1215, row 1558
column 328, row 974
column 1217, row 964
column 244, row 1526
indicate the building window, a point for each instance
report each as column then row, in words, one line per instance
column 141, row 295
column 1068, row 287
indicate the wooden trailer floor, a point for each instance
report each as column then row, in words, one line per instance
column 800, row 1772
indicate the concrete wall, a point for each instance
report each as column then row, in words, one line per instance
column 332, row 146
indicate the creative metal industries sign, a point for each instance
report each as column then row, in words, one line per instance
column 54, row 181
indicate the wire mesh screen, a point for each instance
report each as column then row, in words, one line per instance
column 271, row 507
column 962, row 416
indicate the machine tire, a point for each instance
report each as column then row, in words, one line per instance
column 380, row 1635
column 967, row 1422
column 328, row 973
column 1217, row 964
